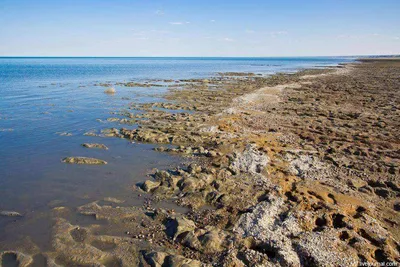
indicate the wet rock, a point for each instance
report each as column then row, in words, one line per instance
column 64, row 134
column 108, row 212
column 84, row 160
column 113, row 200
column 73, row 244
column 162, row 175
column 15, row 258
column 99, row 146
column 10, row 214
column 148, row 185
column 249, row 161
column 110, row 91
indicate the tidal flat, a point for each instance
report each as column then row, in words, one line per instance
column 283, row 170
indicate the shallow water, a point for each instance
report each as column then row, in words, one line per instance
column 43, row 99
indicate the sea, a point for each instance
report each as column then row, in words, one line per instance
column 48, row 104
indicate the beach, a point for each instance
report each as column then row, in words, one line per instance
column 290, row 169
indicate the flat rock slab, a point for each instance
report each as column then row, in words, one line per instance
column 100, row 146
column 84, row 160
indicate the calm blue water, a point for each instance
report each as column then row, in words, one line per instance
column 43, row 97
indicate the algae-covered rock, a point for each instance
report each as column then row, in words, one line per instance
column 84, row 160
column 99, row 146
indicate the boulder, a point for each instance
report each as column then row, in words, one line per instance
column 148, row 185
column 110, row 91
column 179, row 225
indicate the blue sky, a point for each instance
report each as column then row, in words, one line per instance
column 199, row 28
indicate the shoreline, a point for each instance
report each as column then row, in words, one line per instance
column 262, row 188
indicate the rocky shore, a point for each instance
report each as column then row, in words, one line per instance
column 289, row 170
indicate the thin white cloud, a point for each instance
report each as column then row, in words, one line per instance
column 278, row 33
column 159, row 12
column 250, row 31
column 213, row 20
column 138, row 33
column 366, row 36
column 179, row 23
column 226, row 39
column 160, row 31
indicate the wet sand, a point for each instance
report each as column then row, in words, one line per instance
column 287, row 170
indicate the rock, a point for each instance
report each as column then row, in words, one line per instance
column 113, row 200
column 324, row 249
column 180, row 261
column 110, row 90
column 383, row 192
column 150, row 185
column 15, row 258
column 194, row 168
column 211, row 154
column 305, row 165
column 156, row 259
column 178, row 225
column 162, row 175
column 212, row 241
column 366, row 189
column 265, row 224
column 100, row 146
column 84, row 160
column 159, row 259
column 10, row 214
column 249, row 161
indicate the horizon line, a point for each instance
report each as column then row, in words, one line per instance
column 320, row 56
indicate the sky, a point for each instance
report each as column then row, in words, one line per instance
column 206, row 28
